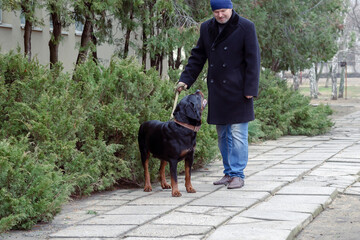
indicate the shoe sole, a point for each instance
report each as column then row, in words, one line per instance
column 227, row 183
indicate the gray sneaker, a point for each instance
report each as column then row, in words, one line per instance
column 236, row 182
column 225, row 180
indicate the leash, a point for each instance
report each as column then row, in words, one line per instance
column 176, row 99
column 175, row 103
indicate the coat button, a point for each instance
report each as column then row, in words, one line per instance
column 212, row 80
column 225, row 48
column 213, row 49
column 224, row 81
column 211, row 65
column 224, row 65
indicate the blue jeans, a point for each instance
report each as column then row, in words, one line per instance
column 233, row 145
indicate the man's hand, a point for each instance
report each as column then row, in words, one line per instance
column 180, row 86
column 249, row 97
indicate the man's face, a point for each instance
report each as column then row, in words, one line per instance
column 222, row 15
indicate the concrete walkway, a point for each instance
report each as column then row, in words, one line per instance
column 289, row 182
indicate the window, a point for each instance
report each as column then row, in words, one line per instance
column 51, row 25
column 0, row 14
column 79, row 26
column 63, row 32
column 22, row 20
column 3, row 17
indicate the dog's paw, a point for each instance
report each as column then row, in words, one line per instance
column 165, row 186
column 176, row 194
column 190, row 190
column 147, row 189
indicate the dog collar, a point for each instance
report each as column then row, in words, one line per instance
column 188, row 126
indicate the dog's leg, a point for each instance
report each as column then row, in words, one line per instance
column 147, row 187
column 145, row 155
column 188, row 163
column 164, row 184
column 174, row 184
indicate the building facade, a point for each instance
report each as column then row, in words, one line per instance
column 12, row 36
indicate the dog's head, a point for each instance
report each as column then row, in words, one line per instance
column 190, row 108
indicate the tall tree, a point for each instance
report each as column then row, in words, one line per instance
column 128, row 13
column 96, row 17
column 295, row 34
column 60, row 17
column 160, row 30
column 27, row 8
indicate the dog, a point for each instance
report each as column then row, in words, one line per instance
column 172, row 141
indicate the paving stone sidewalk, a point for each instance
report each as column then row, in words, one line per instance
column 289, row 182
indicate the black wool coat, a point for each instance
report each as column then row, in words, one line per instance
column 234, row 66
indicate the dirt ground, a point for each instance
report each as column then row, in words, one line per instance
column 341, row 106
column 341, row 220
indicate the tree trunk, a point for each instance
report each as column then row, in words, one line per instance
column 296, row 82
column 144, row 46
column 127, row 36
column 342, row 83
column 178, row 58
column 312, row 81
column 55, row 39
column 318, row 73
column 27, row 39
column 328, row 76
column 160, row 64
column 85, row 42
column 275, row 65
column 334, row 81
column 171, row 62
column 94, row 42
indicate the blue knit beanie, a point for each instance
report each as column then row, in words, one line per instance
column 220, row 4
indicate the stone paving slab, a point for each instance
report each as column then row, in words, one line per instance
column 140, row 210
column 137, row 219
column 166, row 231
column 312, row 208
column 262, row 186
column 231, row 198
column 199, row 237
column 273, row 215
column 198, row 219
column 90, row 231
column 306, row 190
column 247, row 232
column 354, row 189
column 295, row 199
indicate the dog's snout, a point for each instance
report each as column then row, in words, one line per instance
column 204, row 103
column 199, row 92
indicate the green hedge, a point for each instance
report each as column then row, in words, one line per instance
column 282, row 111
column 31, row 189
column 64, row 135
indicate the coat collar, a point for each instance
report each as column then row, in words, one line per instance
column 215, row 37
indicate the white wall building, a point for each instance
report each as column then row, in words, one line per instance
column 12, row 37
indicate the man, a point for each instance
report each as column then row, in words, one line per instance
column 230, row 45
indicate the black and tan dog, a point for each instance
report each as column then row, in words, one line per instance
column 172, row 141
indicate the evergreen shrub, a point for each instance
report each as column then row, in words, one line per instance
column 31, row 190
column 283, row 111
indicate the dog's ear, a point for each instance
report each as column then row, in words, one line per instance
column 192, row 111
column 188, row 110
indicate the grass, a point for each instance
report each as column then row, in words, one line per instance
column 353, row 88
